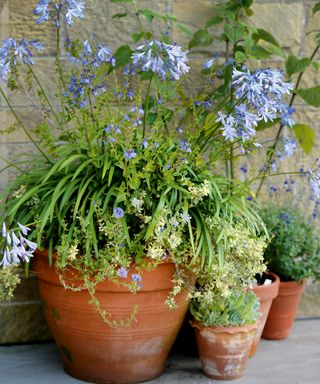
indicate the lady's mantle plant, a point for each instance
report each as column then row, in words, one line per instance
column 120, row 177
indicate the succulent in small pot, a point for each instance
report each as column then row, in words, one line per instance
column 225, row 332
column 294, row 255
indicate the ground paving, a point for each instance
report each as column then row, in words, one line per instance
column 295, row 361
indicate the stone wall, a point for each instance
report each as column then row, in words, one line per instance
column 288, row 20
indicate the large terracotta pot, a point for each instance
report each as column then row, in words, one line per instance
column 265, row 294
column 224, row 351
column 283, row 310
column 93, row 351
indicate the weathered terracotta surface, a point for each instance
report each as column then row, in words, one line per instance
column 283, row 310
column 224, row 351
column 93, row 351
column 265, row 294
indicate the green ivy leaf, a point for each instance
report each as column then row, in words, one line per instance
column 201, row 38
column 121, row 1
column 234, row 32
column 296, row 65
column 305, row 135
column 119, row 15
column 214, row 21
column 240, row 57
column 149, row 14
column 316, row 8
column 315, row 65
column 266, row 36
column 185, row 30
column 262, row 125
column 271, row 48
column 123, row 56
column 140, row 35
column 310, row 95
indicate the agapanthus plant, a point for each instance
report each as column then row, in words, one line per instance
column 122, row 175
column 111, row 186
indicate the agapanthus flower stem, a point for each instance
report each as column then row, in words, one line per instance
column 10, row 164
column 44, row 94
column 293, row 96
column 146, row 107
column 23, row 126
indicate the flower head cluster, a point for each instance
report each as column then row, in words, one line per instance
column 49, row 9
column 15, row 248
column 167, row 61
column 13, row 51
column 259, row 94
column 286, row 117
column 287, row 148
column 85, row 82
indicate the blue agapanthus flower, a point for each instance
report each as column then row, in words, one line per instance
column 85, row 82
column 259, row 94
column 13, row 51
column 286, row 116
column 15, row 247
column 287, row 148
column 165, row 60
column 50, row 9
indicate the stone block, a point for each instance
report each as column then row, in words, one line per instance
column 312, row 24
column 115, row 32
column 194, row 16
column 22, row 320
column 22, row 25
column 284, row 21
column 310, row 301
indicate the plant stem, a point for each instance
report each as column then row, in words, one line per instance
column 279, row 174
column 146, row 108
column 44, row 94
column 10, row 164
column 23, row 126
column 294, row 94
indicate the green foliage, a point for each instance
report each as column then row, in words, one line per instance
column 240, row 308
column 274, row 50
column 201, row 38
column 296, row 65
column 220, row 296
column 305, row 136
column 123, row 56
column 310, row 95
column 294, row 250
column 9, row 279
column 316, row 8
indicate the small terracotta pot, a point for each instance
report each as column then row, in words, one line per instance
column 224, row 351
column 93, row 351
column 265, row 294
column 283, row 310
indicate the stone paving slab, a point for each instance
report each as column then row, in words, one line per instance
column 295, row 361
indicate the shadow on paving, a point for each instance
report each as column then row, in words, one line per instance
column 297, row 359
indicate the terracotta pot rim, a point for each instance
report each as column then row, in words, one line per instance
column 291, row 287
column 223, row 329
column 270, row 291
column 45, row 252
column 73, row 278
